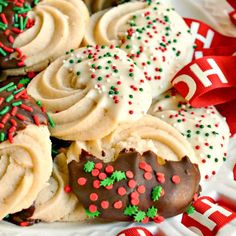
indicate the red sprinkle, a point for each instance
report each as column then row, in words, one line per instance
column 98, row 165
column 92, row 208
column 121, row 191
column 104, row 204
column 134, row 201
column 141, row 189
column 67, row 189
column 160, row 177
column 93, row 197
column 96, row 184
column 109, row 187
column 132, row 183
column 109, row 169
column 142, row 165
column 129, row 174
column 134, row 195
column 24, row 224
column 95, row 172
column 102, row 176
column 148, row 176
column 118, row 204
column 81, row 181
column 175, row 179
column 158, row 219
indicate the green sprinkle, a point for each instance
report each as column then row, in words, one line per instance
column 39, row 103
column 4, row 110
column 107, row 182
column 16, row 104
column 89, row 166
column 92, row 214
column 190, row 210
column 152, row 212
column 139, row 216
column 130, row 210
column 6, row 86
column 2, row 52
column 131, row 96
column 99, row 78
column 216, row 159
column 19, row 90
column 156, row 193
column 9, row 98
column 2, row 136
column 11, row 88
column 24, row 81
column 118, row 175
column 208, row 156
column 51, row 122
column 198, row 132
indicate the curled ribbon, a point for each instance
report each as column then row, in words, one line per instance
column 210, row 79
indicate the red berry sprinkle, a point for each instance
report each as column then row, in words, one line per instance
column 67, row 189
column 98, row 165
column 148, row 168
column 95, row 172
column 129, row 174
column 81, row 181
column 109, row 169
column 160, row 177
column 148, row 176
column 175, row 179
column 104, row 204
column 141, row 189
column 158, row 219
column 92, row 208
column 132, row 183
column 93, row 197
column 134, row 201
column 121, row 191
column 134, row 195
column 118, row 204
column 109, row 187
column 142, row 165
column 96, row 184
column 102, row 176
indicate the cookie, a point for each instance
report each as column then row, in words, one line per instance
column 152, row 34
column 25, row 149
column 89, row 92
column 204, row 128
column 134, row 187
column 147, row 133
column 35, row 35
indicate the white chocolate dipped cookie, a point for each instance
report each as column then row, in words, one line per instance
column 204, row 128
column 152, row 34
column 25, row 150
column 56, row 26
column 148, row 133
column 89, row 92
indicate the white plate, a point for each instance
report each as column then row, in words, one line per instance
column 213, row 12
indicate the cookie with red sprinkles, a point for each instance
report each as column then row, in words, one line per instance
column 131, row 196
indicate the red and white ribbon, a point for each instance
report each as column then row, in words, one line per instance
column 135, row 231
column 210, row 79
column 232, row 15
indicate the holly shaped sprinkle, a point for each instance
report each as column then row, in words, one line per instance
column 152, row 212
column 139, row 216
column 130, row 210
column 92, row 214
column 107, row 182
column 118, row 175
column 190, row 210
column 156, row 193
column 89, row 166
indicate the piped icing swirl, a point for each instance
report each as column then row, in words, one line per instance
column 90, row 91
column 48, row 30
column 152, row 34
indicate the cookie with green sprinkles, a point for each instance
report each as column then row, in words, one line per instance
column 121, row 191
column 26, row 39
column 205, row 129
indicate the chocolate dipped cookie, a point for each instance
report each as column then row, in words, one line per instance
column 134, row 187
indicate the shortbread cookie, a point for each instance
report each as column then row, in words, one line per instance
column 148, row 133
column 91, row 91
column 152, row 34
column 134, row 187
column 204, row 128
column 25, row 150
column 41, row 33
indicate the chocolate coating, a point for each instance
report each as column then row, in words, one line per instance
column 179, row 185
column 6, row 62
column 17, row 110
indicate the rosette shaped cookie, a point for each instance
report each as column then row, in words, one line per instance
column 41, row 33
column 152, row 34
column 56, row 200
column 204, row 128
column 25, row 150
column 134, row 187
column 148, row 133
column 91, row 91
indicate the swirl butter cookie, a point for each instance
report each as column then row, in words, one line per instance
column 33, row 35
column 134, row 187
column 152, row 34
column 25, row 149
column 89, row 92
column 204, row 128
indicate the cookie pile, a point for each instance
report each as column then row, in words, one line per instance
column 89, row 124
